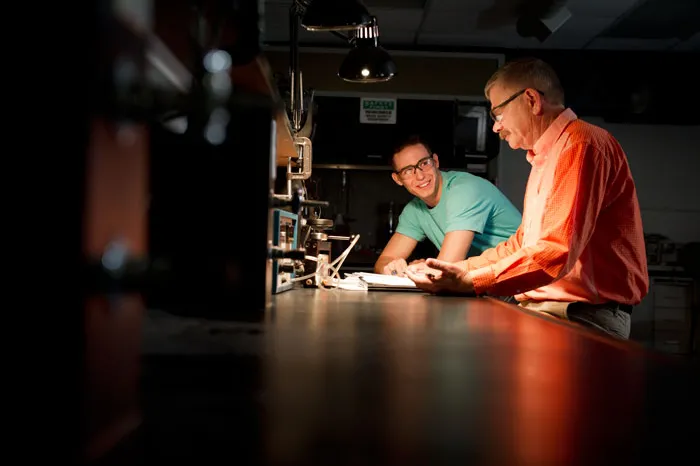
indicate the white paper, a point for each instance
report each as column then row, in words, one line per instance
column 378, row 279
column 352, row 283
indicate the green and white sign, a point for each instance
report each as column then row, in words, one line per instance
column 377, row 111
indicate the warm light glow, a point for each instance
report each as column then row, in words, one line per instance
column 538, row 422
column 365, row 72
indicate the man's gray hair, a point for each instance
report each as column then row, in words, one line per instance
column 530, row 73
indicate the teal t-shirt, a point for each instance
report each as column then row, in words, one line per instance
column 467, row 202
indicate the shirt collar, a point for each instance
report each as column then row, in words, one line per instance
column 549, row 137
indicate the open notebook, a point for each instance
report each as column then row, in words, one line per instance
column 377, row 281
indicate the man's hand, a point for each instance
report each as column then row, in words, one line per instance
column 395, row 267
column 439, row 276
column 418, row 265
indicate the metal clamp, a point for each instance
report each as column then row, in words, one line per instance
column 303, row 145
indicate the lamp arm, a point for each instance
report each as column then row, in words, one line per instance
column 341, row 35
column 296, row 96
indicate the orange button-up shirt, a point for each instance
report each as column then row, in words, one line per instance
column 581, row 236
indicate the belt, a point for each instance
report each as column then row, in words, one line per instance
column 625, row 307
column 559, row 307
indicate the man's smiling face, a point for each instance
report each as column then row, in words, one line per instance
column 424, row 183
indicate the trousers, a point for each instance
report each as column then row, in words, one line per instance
column 610, row 318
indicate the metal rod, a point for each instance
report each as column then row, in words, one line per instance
column 296, row 98
column 341, row 35
column 289, row 178
column 339, row 238
column 163, row 63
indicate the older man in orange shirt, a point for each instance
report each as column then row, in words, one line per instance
column 579, row 252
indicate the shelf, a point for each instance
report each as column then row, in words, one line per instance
column 343, row 166
column 170, row 35
column 256, row 77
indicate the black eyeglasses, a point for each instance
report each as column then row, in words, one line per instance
column 499, row 117
column 423, row 164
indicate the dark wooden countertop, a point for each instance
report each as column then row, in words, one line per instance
column 338, row 377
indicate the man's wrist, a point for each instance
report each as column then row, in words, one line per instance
column 482, row 279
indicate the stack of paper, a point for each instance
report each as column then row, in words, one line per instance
column 376, row 281
column 351, row 283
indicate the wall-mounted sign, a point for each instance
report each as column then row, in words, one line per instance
column 377, row 111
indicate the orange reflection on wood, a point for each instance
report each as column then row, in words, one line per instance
column 112, row 371
column 534, row 362
column 116, row 205
column 545, row 394
column 549, row 375
column 403, row 355
column 411, row 314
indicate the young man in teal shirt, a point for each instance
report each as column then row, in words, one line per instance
column 460, row 213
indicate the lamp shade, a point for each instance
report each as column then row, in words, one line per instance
column 335, row 15
column 367, row 65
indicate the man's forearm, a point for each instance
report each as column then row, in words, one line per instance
column 382, row 262
column 453, row 258
column 492, row 255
